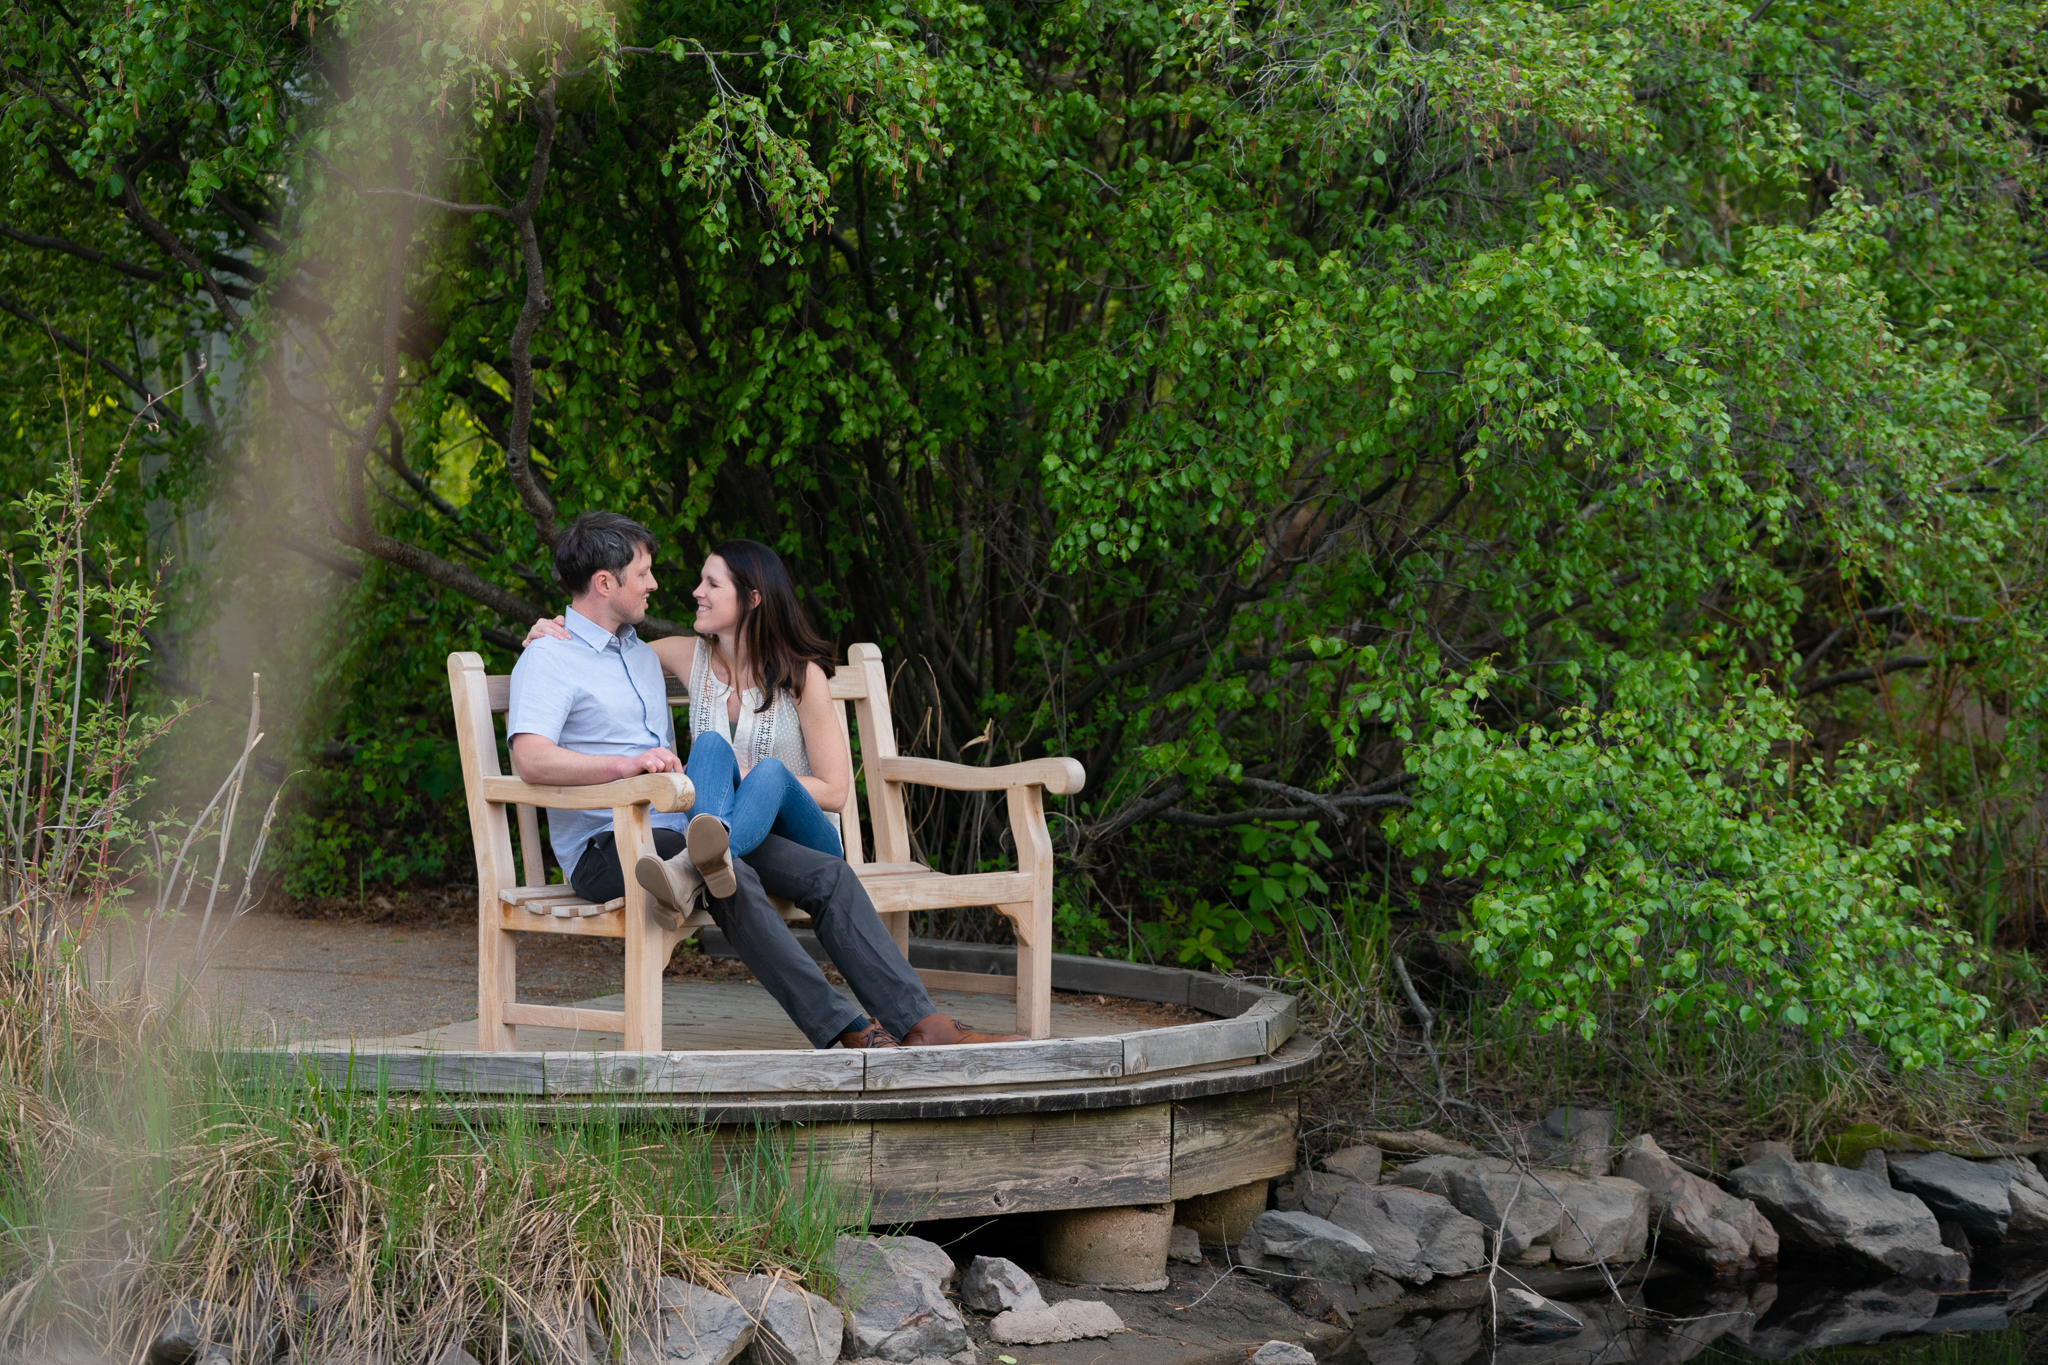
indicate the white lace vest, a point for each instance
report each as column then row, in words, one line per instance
column 774, row 733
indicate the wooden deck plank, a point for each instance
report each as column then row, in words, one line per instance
column 983, row 1167
column 1224, row 1040
column 927, row 1068
column 1224, row 1141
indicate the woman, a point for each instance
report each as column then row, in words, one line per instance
column 767, row 756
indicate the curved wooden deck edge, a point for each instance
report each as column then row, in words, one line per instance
column 1262, row 1022
column 1294, row 1063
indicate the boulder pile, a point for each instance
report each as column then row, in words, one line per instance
column 1413, row 1206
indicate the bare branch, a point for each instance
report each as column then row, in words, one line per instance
column 1902, row 663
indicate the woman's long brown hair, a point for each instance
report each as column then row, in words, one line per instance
column 778, row 637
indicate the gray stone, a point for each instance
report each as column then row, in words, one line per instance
column 455, row 1355
column 1415, row 1235
column 1067, row 1320
column 1852, row 1215
column 1974, row 1194
column 693, row 1326
column 1302, row 1244
column 1320, row 1191
column 195, row 1327
column 1360, row 1163
column 1434, row 1173
column 1282, row 1353
column 1874, row 1162
column 1696, row 1220
column 898, row 1311
column 1541, row 1215
column 1604, row 1219
column 1841, row 1319
column 794, row 1326
column 2028, row 1195
column 995, row 1285
column 1572, row 1137
column 1185, row 1245
column 1531, row 1317
column 916, row 1255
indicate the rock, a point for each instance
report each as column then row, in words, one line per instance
column 1302, row 1244
column 1434, row 1173
column 693, row 1326
column 1067, row 1320
column 1974, row 1194
column 1361, row 1163
column 1767, row 1150
column 793, row 1325
column 1847, row 1148
column 1541, row 1214
column 1954, row 1237
column 1419, row 1143
column 1873, row 1161
column 1605, row 1219
column 1319, row 1191
column 995, row 1285
column 1696, row 1220
column 1531, row 1317
column 2028, row 1194
column 1829, row 1211
column 1282, row 1353
column 898, row 1310
column 1572, row 1137
column 455, row 1355
column 1839, row 1319
column 1185, row 1246
column 194, row 1329
column 1414, row 1235
column 916, row 1255
column 1324, row 1300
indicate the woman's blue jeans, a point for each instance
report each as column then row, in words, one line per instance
column 768, row 800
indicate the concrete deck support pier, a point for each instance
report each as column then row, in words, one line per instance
column 1220, row 1219
column 1113, row 1248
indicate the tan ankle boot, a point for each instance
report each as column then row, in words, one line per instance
column 674, row 885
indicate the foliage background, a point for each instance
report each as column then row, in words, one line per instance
column 1298, row 414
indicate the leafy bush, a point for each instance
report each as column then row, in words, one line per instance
column 1696, row 855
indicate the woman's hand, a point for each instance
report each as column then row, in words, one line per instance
column 546, row 628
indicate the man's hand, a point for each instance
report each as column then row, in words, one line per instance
column 653, row 761
column 546, row 763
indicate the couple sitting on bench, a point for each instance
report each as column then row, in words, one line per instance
column 588, row 705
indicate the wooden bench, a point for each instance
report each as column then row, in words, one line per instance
column 514, row 900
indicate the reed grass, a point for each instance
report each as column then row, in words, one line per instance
column 148, row 1176
column 356, row 1222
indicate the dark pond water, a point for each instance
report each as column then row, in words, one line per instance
column 1679, row 1318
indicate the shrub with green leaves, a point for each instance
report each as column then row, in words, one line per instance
column 1675, row 848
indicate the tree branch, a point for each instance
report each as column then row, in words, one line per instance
column 1875, row 672
column 519, row 448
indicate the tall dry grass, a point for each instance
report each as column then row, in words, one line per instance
column 149, row 1177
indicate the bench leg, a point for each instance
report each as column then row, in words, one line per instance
column 1033, row 927
column 645, row 941
column 497, row 980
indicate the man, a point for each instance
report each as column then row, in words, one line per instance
column 593, row 709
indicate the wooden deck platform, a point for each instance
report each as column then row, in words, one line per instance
column 1124, row 1104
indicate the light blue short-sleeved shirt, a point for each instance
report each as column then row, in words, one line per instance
column 595, row 693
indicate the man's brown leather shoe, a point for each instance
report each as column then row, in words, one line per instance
column 943, row 1030
column 674, row 886
column 870, row 1034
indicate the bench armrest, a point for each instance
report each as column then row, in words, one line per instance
column 668, row 792
column 1060, row 776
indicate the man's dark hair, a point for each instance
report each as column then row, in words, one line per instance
column 597, row 540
